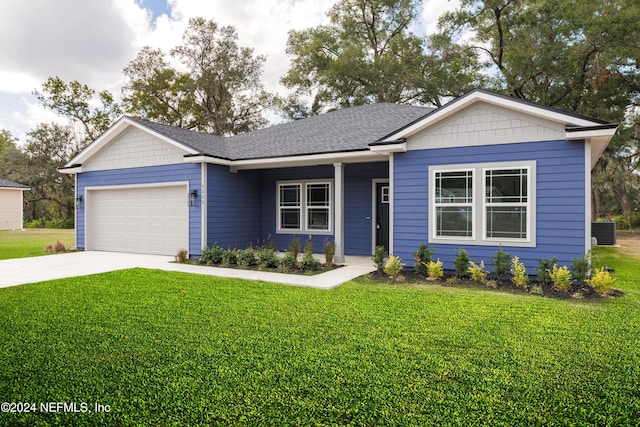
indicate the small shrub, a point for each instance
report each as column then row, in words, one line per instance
column 266, row 257
column 602, row 282
column 561, row 278
column 477, row 272
column 212, row 255
column 309, row 263
column 246, row 257
column 544, row 267
column 519, row 273
column 56, row 248
column 294, row 247
column 580, row 267
column 461, row 263
column 229, row 257
column 423, row 257
column 329, row 252
column 378, row 258
column 288, row 262
column 393, row 267
column 308, row 246
column 501, row 263
column 182, row 256
column 434, row 269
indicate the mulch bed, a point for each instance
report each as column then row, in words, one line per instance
column 577, row 291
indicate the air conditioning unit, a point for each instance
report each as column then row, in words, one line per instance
column 604, row 233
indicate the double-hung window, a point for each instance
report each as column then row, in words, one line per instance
column 506, row 203
column 454, row 203
column 304, row 207
column 483, row 204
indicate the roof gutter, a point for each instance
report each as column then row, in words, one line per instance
column 289, row 161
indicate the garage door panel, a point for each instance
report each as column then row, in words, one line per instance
column 143, row 220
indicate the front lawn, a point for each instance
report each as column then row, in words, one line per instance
column 32, row 241
column 165, row 348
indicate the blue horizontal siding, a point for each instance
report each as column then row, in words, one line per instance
column 233, row 207
column 357, row 204
column 269, row 195
column 358, row 196
column 560, row 199
column 145, row 175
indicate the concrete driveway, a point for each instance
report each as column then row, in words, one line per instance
column 50, row 267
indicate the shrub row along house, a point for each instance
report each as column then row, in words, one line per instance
column 481, row 172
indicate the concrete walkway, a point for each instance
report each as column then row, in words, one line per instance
column 38, row 269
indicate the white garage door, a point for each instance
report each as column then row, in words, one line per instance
column 150, row 220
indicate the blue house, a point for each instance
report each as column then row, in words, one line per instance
column 481, row 172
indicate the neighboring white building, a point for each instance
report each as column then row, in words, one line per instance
column 11, row 202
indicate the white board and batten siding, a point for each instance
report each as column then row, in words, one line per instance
column 10, row 209
column 138, row 211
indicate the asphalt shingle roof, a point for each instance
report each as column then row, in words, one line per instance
column 10, row 184
column 350, row 129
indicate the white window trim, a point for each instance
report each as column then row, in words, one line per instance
column 304, row 208
column 479, row 204
column 435, row 205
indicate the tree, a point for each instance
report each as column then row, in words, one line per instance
column 368, row 54
column 6, row 141
column 74, row 101
column 157, row 92
column 221, row 93
column 49, row 147
column 579, row 57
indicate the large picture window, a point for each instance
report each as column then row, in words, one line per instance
column 483, row 204
column 304, row 207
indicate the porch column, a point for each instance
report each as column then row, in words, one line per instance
column 339, row 211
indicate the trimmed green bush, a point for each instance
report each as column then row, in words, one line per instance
column 212, row 255
column 267, row 257
column 580, row 267
column 501, row 263
column 246, row 257
column 461, row 263
column 309, row 263
column 378, row 258
column 229, row 257
column 544, row 267
column 288, row 262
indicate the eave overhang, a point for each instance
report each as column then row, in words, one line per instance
column 358, row 156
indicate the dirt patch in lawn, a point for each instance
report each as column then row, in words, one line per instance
column 629, row 241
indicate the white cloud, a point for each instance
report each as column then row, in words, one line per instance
column 92, row 41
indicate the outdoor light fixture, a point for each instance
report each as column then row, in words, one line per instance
column 193, row 196
column 79, row 200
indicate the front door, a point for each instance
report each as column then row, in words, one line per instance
column 382, row 215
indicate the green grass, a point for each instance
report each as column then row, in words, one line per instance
column 31, row 242
column 176, row 349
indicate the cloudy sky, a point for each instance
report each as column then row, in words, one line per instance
column 92, row 41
